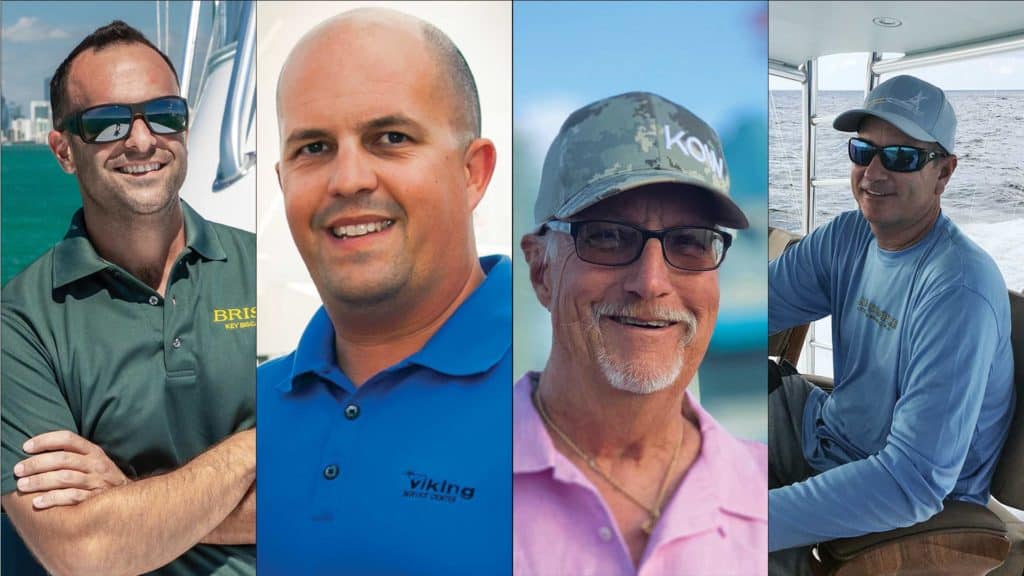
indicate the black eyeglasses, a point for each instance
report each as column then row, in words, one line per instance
column 894, row 158
column 113, row 122
column 608, row 243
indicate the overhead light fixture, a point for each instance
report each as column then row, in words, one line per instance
column 887, row 21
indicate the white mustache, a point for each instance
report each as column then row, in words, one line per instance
column 656, row 313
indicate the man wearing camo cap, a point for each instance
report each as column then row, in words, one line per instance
column 917, row 416
column 616, row 468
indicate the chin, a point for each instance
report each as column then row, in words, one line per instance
column 640, row 377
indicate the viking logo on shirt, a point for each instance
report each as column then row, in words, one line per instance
column 423, row 486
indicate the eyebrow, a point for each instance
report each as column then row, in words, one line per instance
column 389, row 121
column 307, row 134
column 381, row 123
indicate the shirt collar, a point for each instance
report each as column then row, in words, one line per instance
column 75, row 257
column 473, row 340
column 724, row 475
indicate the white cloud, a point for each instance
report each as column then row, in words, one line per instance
column 31, row 29
column 541, row 118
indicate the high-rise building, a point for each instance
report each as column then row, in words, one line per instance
column 5, row 117
column 40, row 119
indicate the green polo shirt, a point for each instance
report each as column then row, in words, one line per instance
column 152, row 380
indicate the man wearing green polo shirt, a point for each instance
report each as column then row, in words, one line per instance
column 128, row 348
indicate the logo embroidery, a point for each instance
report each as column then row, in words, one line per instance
column 235, row 318
column 423, row 486
column 694, row 148
column 876, row 314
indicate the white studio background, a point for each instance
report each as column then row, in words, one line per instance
column 482, row 31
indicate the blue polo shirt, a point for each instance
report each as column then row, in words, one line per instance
column 411, row 473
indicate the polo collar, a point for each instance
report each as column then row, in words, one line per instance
column 473, row 340
column 74, row 257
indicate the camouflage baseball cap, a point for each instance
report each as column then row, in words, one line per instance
column 627, row 141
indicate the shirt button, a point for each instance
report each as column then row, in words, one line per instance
column 605, row 533
column 351, row 411
column 331, row 471
column 176, row 343
column 153, row 300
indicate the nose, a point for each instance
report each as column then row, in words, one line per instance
column 649, row 277
column 140, row 139
column 352, row 172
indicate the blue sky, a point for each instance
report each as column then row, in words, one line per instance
column 38, row 35
column 569, row 54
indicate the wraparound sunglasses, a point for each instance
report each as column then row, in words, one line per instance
column 894, row 158
column 113, row 122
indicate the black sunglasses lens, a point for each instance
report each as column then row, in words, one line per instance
column 106, row 123
column 167, row 115
column 901, row 158
column 693, row 248
column 861, row 152
column 607, row 243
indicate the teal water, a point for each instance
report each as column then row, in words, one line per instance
column 37, row 200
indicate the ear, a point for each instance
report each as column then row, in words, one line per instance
column 61, row 148
column 479, row 161
column 946, row 170
column 534, row 250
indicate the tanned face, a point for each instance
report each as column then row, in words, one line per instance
column 138, row 175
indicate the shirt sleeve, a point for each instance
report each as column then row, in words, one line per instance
column 932, row 427
column 32, row 398
column 799, row 281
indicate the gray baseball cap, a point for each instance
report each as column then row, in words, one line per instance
column 919, row 109
column 627, row 141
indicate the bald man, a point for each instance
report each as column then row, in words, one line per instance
column 385, row 436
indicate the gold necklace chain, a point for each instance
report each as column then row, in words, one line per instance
column 653, row 512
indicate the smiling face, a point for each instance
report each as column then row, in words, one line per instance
column 372, row 169
column 897, row 203
column 646, row 325
column 142, row 173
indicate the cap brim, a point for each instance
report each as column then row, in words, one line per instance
column 850, row 120
column 726, row 212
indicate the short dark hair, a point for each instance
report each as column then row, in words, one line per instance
column 467, row 100
column 117, row 32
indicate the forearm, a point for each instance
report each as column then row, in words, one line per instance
column 141, row 526
column 240, row 525
column 869, row 495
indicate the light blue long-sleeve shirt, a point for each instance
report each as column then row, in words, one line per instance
column 923, row 378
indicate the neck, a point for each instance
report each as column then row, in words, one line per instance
column 905, row 236
column 611, row 424
column 368, row 340
column 146, row 246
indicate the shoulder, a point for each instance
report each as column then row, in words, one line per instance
column 273, row 372
column 957, row 255
column 235, row 240
column 31, row 289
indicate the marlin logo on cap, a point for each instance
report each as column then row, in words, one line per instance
column 910, row 104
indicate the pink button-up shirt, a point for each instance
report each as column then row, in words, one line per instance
column 716, row 523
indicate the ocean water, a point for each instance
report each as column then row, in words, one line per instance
column 37, row 200
column 985, row 196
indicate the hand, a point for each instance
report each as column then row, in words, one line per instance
column 66, row 469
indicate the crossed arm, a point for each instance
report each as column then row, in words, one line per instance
column 119, row 527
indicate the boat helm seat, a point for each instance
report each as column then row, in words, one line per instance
column 964, row 538
column 785, row 345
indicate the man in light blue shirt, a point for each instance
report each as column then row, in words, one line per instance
column 921, row 332
column 384, row 442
